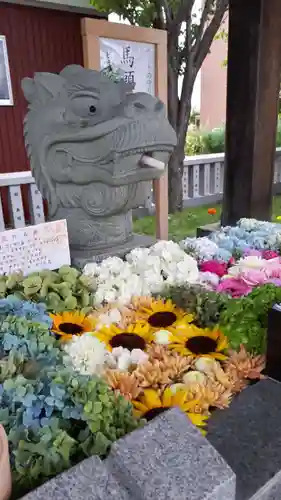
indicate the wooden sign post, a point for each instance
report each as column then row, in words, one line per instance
column 104, row 43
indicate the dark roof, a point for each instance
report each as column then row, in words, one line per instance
column 50, row 4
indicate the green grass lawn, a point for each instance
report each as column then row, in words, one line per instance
column 186, row 222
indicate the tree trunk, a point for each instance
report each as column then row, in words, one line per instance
column 175, row 167
column 175, row 181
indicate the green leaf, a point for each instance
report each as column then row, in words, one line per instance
column 88, row 407
column 97, row 407
column 94, row 426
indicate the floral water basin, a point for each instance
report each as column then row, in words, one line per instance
column 5, row 471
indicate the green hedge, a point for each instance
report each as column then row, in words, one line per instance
column 201, row 142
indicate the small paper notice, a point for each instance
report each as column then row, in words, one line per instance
column 34, row 248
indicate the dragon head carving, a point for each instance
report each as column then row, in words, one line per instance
column 82, row 128
column 93, row 144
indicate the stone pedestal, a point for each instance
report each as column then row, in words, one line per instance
column 207, row 229
column 79, row 260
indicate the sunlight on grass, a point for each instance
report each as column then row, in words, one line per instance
column 186, row 222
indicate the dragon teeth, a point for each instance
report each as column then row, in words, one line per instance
column 148, row 161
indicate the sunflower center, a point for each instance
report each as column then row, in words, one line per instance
column 154, row 412
column 162, row 319
column 129, row 341
column 71, row 328
column 201, row 345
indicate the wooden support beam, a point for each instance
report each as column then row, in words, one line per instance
column 253, row 83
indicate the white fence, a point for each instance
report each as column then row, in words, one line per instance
column 202, row 184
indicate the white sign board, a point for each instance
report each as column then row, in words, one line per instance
column 34, row 248
column 134, row 62
column 6, row 95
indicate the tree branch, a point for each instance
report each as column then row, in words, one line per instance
column 187, row 84
column 167, row 10
column 204, row 44
column 203, row 23
column 184, row 11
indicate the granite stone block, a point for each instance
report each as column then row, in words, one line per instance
column 248, row 436
column 169, row 459
column 89, row 480
column 271, row 491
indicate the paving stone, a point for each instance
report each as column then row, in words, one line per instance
column 169, row 459
column 89, row 480
column 248, row 436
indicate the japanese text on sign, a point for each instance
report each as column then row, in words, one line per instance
column 134, row 62
column 33, row 248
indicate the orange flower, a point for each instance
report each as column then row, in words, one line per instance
column 212, row 211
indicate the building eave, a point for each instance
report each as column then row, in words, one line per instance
column 85, row 11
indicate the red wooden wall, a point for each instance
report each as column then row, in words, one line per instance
column 38, row 39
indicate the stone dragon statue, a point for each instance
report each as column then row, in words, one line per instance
column 93, row 144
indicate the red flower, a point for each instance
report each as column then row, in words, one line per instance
column 214, row 266
column 269, row 254
column 212, row 211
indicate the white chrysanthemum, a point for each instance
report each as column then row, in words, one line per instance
column 209, row 278
column 162, row 337
column 122, row 359
column 106, row 319
column 87, row 354
column 194, row 377
column 205, row 365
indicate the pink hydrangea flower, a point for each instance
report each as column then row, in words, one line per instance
column 214, row 266
column 234, row 287
column 273, row 267
column 254, row 277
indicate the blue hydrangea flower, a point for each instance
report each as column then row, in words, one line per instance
column 25, row 309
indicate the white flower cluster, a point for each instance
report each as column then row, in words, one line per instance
column 203, row 248
column 86, row 354
column 145, row 271
column 89, row 356
column 106, row 319
column 122, row 359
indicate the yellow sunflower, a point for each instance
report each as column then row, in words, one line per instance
column 69, row 324
column 194, row 341
column 163, row 314
column 151, row 404
column 134, row 336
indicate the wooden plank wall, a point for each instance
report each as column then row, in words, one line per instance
column 37, row 40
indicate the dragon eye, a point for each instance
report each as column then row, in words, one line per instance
column 92, row 109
